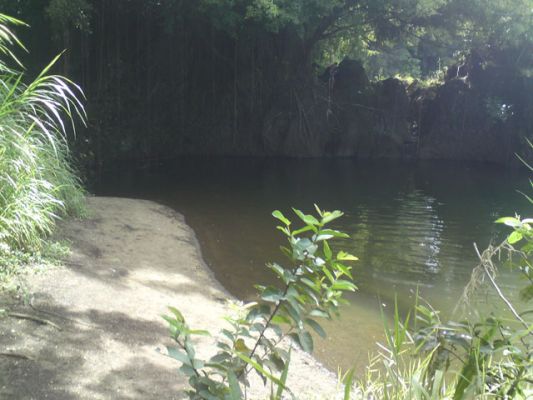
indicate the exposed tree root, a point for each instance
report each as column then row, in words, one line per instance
column 17, row 355
column 35, row 319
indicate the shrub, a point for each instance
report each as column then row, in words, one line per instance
column 311, row 287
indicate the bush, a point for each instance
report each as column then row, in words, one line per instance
column 312, row 285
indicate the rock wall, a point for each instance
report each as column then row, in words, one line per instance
column 483, row 112
column 343, row 115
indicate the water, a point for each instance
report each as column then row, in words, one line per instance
column 412, row 226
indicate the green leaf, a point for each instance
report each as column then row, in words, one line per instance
column 313, row 294
column 278, row 269
column 316, row 327
column 348, row 382
column 199, row 332
column 179, row 355
column 321, row 237
column 277, row 361
column 258, row 311
column 327, row 251
column 179, row 326
column 343, row 256
column 240, row 346
column 331, row 216
column 187, row 370
column 465, row 378
column 315, row 287
column 280, row 319
column 207, row 396
column 344, row 269
column 334, row 233
column 308, row 219
column 302, row 230
column 318, row 262
column 228, row 334
column 277, row 329
column 514, row 237
column 272, row 294
column 293, row 305
column 305, row 340
column 279, row 215
column 177, row 314
column 220, row 358
column 189, row 348
column 509, row 221
column 303, row 246
column 234, row 387
column 343, row 285
column 319, row 313
column 285, row 230
column 257, row 327
column 328, row 274
column 437, row 384
column 260, row 369
column 283, row 378
column 293, row 313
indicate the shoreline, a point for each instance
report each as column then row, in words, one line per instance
column 130, row 260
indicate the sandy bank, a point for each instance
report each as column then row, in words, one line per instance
column 130, row 260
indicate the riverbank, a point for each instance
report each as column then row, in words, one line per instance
column 94, row 327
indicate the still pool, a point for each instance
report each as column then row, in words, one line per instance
column 412, row 226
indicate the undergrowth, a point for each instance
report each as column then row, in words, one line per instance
column 16, row 265
column 38, row 184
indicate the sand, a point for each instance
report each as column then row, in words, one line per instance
column 130, row 260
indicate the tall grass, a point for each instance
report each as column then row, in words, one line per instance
column 37, row 181
column 424, row 358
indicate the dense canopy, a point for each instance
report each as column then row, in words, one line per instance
column 172, row 77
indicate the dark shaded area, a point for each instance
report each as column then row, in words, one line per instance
column 46, row 363
column 481, row 112
column 165, row 79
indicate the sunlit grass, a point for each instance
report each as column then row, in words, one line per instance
column 37, row 182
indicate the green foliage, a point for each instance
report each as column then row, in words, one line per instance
column 522, row 252
column 70, row 13
column 311, row 288
column 427, row 358
column 491, row 357
column 37, row 182
column 408, row 37
column 233, row 15
column 15, row 265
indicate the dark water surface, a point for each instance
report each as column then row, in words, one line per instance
column 410, row 225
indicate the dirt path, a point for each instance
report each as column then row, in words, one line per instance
column 131, row 259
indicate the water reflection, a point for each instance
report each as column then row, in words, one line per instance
column 411, row 226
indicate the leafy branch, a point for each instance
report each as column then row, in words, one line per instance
column 312, row 286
